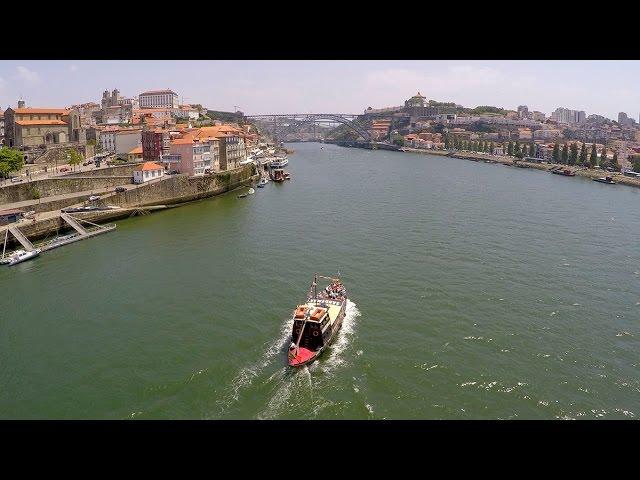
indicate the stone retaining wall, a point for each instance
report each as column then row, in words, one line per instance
column 58, row 186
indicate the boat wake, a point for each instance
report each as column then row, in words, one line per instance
column 246, row 375
column 285, row 380
column 342, row 343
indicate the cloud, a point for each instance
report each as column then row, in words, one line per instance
column 29, row 76
column 466, row 84
column 73, row 68
column 453, row 79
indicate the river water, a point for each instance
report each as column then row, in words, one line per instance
column 477, row 291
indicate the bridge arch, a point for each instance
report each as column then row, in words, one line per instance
column 298, row 119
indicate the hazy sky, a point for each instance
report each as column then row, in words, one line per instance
column 344, row 86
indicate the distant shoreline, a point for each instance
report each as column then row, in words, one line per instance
column 618, row 177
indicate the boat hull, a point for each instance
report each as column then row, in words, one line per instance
column 15, row 261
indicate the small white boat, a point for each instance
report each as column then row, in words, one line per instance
column 22, row 255
column 251, row 191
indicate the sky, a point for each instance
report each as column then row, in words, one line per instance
column 332, row 86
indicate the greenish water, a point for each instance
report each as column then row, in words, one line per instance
column 478, row 291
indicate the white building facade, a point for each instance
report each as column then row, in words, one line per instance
column 158, row 99
column 147, row 171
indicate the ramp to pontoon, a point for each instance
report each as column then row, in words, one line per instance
column 24, row 241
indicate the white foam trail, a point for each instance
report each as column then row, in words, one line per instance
column 345, row 335
column 246, row 375
column 288, row 386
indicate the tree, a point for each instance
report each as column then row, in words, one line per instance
column 603, row 155
column 556, row 153
column 614, row 161
column 398, row 140
column 583, row 154
column 636, row 164
column 517, row 151
column 593, row 158
column 510, row 149
column 573, row 155
column 446, row 141
column 565, row 154
column 532, row 149
column 75, row 157
column 10, row 161
column 491, row 147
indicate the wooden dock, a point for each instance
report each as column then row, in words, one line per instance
column 82, row 233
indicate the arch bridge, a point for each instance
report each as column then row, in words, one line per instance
column 289, row 122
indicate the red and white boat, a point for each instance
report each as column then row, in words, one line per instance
column 317, row 322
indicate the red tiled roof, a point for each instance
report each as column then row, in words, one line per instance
column 136, row 150
column 149, row 166
column 61, row 111
column 40, row 122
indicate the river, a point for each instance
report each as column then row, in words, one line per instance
column 477, row 291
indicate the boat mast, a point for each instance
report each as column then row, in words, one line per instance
column 4, row 246
column 315, row 286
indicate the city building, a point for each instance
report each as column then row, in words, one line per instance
column 155, row 143
column 194, row 155
column 120, row 140
column 523, row 111
column 35, row 127
column 547, row 134
column 89, row 113
column 135, row 155
column 538, row 116
column 158, row 99
column 147, row 171
column 624, row 120
column 186, row 111
column 207, row 149
column 564, row 115
column 115, row 109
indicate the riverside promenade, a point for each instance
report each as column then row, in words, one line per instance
column 580, row 171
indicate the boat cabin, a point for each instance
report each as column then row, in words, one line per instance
column 319, row 317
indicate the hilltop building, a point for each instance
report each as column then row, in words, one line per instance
column 158, row 99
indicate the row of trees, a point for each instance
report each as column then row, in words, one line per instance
column 570, row 156
column 513, row 148
column 567, row 155
column 460, row 144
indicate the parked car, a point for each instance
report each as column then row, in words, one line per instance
column 120, row 189
column 93, row 198
column 64, row 169
column 16, row 179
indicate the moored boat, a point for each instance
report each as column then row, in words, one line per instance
column 317, row 321
column 277, row 175
column 20, row 256
column 563, row 171
column 608, row 180
column 279, row 161
column 251, row 191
